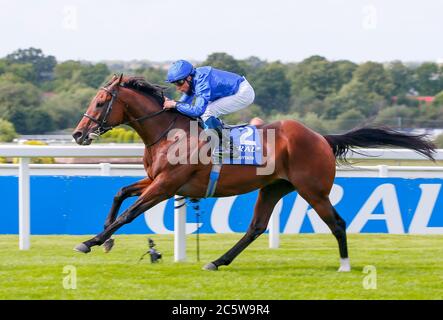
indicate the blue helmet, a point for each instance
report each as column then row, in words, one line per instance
column 179, row 70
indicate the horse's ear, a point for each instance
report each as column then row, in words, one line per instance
column 120, row 79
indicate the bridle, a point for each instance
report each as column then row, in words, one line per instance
column 104, row 127
column 102, row 124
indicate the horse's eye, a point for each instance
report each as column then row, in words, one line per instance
column 99, row 105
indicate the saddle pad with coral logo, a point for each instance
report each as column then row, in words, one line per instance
column 247, row 140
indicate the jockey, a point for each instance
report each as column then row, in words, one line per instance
column 216, row 92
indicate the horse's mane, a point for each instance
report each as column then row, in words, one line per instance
column 141, row 85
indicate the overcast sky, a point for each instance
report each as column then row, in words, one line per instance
column 291, row 30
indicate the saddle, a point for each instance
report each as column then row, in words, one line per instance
column 224, row 125
column 233, row 126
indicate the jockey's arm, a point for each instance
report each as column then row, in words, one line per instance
column 202, row 96
column 186, row 98
column 193, row 110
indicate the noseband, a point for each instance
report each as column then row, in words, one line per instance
column 102, row 124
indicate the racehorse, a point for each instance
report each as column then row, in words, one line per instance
column 304, row 161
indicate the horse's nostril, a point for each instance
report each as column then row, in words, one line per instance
column 77, row 135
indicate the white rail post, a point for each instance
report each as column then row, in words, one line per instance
column 179, row 229
column 23, row 204
column 383, row 171
column 274, row 226
column 105, row 169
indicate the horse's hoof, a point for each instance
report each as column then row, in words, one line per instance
column 210, row 267
column 83, row 248
column 345, row 265
column 107, row 246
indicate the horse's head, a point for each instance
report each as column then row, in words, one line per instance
column 104, row 112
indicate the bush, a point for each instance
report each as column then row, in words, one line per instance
column 128, row 137
column 349, row 119
column 397, row 116
column 7, row 131
column 121, row 135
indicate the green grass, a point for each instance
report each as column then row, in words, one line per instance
column 304, row 267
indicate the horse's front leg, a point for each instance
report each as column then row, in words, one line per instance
column 155, row 193
column 132, row 190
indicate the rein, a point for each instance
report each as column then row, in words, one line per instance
column 102, row 127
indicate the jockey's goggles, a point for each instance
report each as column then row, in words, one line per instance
column 179, row 83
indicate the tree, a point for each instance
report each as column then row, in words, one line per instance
column 18, row 118
column 66, row 70
column 3, row 65
column 94, row 75
column 272, row 88
column 252, row 64
column 39, row 121
column 349, row 119
column 402, row 78
column 9, row 77
column 397, row 116
column 72, row 75
column 66, row 108
column 375, row 79
column 7, row 131
column 298, row 74
column 438, row 101
column 354, row 95
column 313, row 121
column 43, row 66
column 224, row 61
column 153, row 75
column 432, row 115
column 16, row 102
column 22, row 71
column 343, row 71
column 429, row 79
column 319, row 76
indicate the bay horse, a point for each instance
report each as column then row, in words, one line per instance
column 304, row 161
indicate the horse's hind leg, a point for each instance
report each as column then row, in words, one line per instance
column 329, row 215
column 267, row 199
column 342, row 243
column 132, row 190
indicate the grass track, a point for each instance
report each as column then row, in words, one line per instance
column 407, row 267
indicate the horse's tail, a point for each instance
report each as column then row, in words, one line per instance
column 371, row 137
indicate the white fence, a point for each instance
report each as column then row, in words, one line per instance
column 24, row 169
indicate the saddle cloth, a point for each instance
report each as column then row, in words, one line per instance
column 249, row 143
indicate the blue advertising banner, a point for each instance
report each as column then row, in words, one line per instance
column 79, row 205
